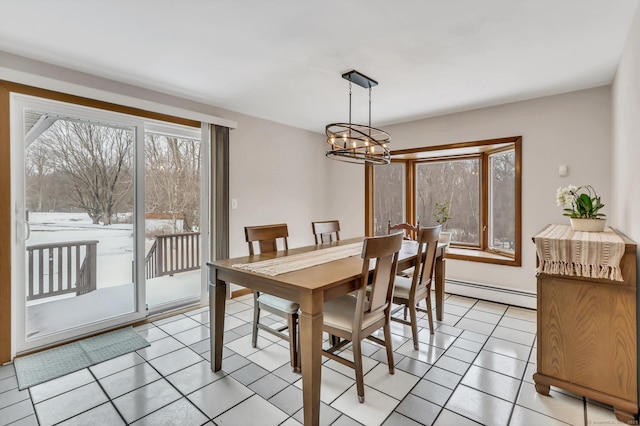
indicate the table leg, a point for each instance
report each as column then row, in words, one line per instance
column 311, row 354
column 439, row 287
column 217, row 302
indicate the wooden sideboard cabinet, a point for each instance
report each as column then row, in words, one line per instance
column 587, row 337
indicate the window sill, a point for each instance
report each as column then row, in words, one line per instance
column 481, row 256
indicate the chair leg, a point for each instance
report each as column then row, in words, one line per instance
column 293, row 342
column 357, row 361
column 414, row 324
column 387, row 344
column 256, row 319
column 405, row 312
column 429, row 311
column 333, row 340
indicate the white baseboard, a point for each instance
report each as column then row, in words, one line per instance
column 493, row 294
column 477, row 291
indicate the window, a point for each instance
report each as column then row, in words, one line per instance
column 480, row 181
column 390, row 181
column 502, row 200
column 453, row 181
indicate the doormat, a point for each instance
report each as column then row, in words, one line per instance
column 43, row 366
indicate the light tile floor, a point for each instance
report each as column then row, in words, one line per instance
column 476, row 369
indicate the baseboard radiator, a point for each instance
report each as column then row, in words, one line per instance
column 489, row 293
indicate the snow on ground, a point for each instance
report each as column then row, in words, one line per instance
column 114, row 275
column 115, row 242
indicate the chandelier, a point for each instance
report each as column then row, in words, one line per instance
column 357, row 143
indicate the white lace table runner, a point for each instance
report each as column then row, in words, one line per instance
column 562, row 251
column 282, row 265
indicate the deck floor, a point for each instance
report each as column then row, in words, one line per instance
column 66, row 312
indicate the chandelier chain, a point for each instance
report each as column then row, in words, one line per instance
column 369, row 109
column 349, row 101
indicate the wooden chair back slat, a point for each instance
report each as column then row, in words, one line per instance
column 409, row 231
column 384, row 250
column 426, row 257
column 267, row 237
column 325, row 231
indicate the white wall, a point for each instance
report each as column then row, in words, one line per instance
column 571, row 129
column 625, row 124
column 26, row 71
column 345, row 196
column 280, row 174
column 626, row 136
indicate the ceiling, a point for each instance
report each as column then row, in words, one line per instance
column 282, row 60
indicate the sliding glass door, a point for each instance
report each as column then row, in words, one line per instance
column 173, row 158
column 107, row 217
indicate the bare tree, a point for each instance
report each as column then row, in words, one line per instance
column 503, row 198
column 37, row 175
column 173, row 178
column 456, row 182
column 76, row 164
column 389, row 182
column 95, row 162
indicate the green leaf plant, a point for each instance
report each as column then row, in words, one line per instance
column 581, row 202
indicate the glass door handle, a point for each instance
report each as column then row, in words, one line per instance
column 28, row 231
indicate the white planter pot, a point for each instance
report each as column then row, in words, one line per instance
column 445, row 237
column 588, row 225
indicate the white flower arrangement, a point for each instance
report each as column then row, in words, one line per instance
column 583, row 205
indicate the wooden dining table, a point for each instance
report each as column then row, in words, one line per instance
column 310, row 287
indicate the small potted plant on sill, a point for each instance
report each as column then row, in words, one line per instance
column 582, row 206
column 441, row 215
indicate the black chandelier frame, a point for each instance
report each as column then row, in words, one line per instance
column 357, row 143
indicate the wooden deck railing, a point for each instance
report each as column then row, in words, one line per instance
column 151, row 261
column 61, row 268
column 173, row 253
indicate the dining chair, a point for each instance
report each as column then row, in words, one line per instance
column 267, row 237
column 354, row 318
column 410, row 232
column 409, row 291
column 326, row 231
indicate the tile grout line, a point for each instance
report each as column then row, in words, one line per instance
column 521, row 380
column 32, row 403
column 146, row 361
column 18, row 402
column 515, row 402
column 248, row 384
column 425, row 373
column 106, row 394
column 419, row 377
column 162, row 376
column 470, row 364
column 462, row 358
